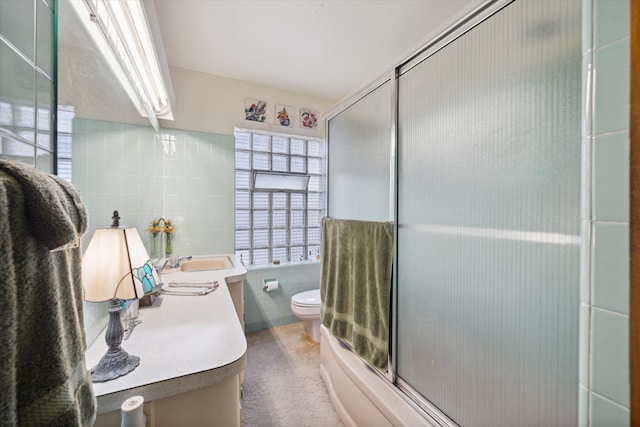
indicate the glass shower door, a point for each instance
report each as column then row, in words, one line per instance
column 489, row 220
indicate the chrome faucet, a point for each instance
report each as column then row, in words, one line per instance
column 183, row 258
column 175, row 262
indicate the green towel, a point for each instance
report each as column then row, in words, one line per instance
column 355, row 285
column 44, row 380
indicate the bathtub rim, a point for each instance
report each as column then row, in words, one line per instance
column 389, row 400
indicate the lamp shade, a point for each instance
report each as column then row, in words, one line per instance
column 116, row 265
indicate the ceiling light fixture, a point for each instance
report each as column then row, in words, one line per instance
column 122, row 32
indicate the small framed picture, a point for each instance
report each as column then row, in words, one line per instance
column 255, row 110
column 308, row 118
column 284, row 115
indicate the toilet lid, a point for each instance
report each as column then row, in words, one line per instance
column 308, row 298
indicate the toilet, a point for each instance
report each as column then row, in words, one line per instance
column 306, row 307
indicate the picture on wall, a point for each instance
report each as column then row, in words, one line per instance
column 308, row 118
column 284, row 114
column 255, row 110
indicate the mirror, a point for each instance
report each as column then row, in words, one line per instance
column 85, row 79
column 106, row 149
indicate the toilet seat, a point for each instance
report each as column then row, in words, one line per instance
column 307, row 299
column 306, row 305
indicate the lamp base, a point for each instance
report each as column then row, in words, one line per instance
column 113, row 365
column 116, row 362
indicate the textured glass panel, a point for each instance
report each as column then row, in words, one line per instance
column 315, row 183
column 6, row 111
column 243, row 140
column 243, row 179
column 242, row 200
column 261, row 142
column 243, row 160
column 297, row 236
column 243, row 219
column 261, row 161
column 315, row 148
column 489, row 220
column 24, row 117
column 298, row 164
column 297, row 253
column 359, row 159
column 314, row 166
column 260, row 200
column 280, row 163
column 280, row 145
column 280, row 254
column 297, row 201
column 280, row 218
column 65, row 170
column 297, row 218
column 260, row 219
column 17, row 150
column 243, row 239
column 280, row 201
column 260, row 238
column 279, row 237
column 313, row 218
column 17, row 89
column 313, row 235
column 299, row 146
column 44, row 117
column 316, row 201
column 261, row 256
column 44, row 139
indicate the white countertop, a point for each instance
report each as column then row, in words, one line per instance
column 184, row 342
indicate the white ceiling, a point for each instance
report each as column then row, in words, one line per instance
column 327, row 49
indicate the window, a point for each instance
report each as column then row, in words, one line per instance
column 280, row 197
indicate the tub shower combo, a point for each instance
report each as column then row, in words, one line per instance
column 469, row 151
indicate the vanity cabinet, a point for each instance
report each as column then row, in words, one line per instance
column 212, row 406
column 192, row 353
column 236, row 289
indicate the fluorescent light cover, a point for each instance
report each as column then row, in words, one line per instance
column 280, row 181
column 125, row 39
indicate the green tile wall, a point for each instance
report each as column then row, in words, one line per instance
column 604, row 320
column 187, row 177
column 269, row 309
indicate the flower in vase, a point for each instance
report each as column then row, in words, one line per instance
column 168, row 228
column 154, row 228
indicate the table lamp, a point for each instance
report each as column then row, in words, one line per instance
column 116, row 267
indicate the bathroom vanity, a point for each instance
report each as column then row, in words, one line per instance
column 192, row 353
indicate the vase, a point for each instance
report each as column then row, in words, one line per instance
column 156, row 246
column 168, row 249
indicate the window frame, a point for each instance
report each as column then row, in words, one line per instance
column 277, row 226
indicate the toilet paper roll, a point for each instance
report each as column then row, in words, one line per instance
column 132, row 414
column 271, row 286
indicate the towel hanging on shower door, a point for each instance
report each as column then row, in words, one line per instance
column 355, row 285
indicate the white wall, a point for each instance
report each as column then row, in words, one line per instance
column 214, row 104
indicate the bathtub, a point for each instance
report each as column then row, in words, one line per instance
column 360, row 396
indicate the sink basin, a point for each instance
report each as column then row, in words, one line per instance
column 207, row 263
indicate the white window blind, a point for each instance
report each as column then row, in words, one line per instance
column 279, row 224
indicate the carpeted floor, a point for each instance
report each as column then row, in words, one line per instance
column 282, row 383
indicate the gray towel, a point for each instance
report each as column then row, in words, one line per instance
column 355, row 285
column 43, row 377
